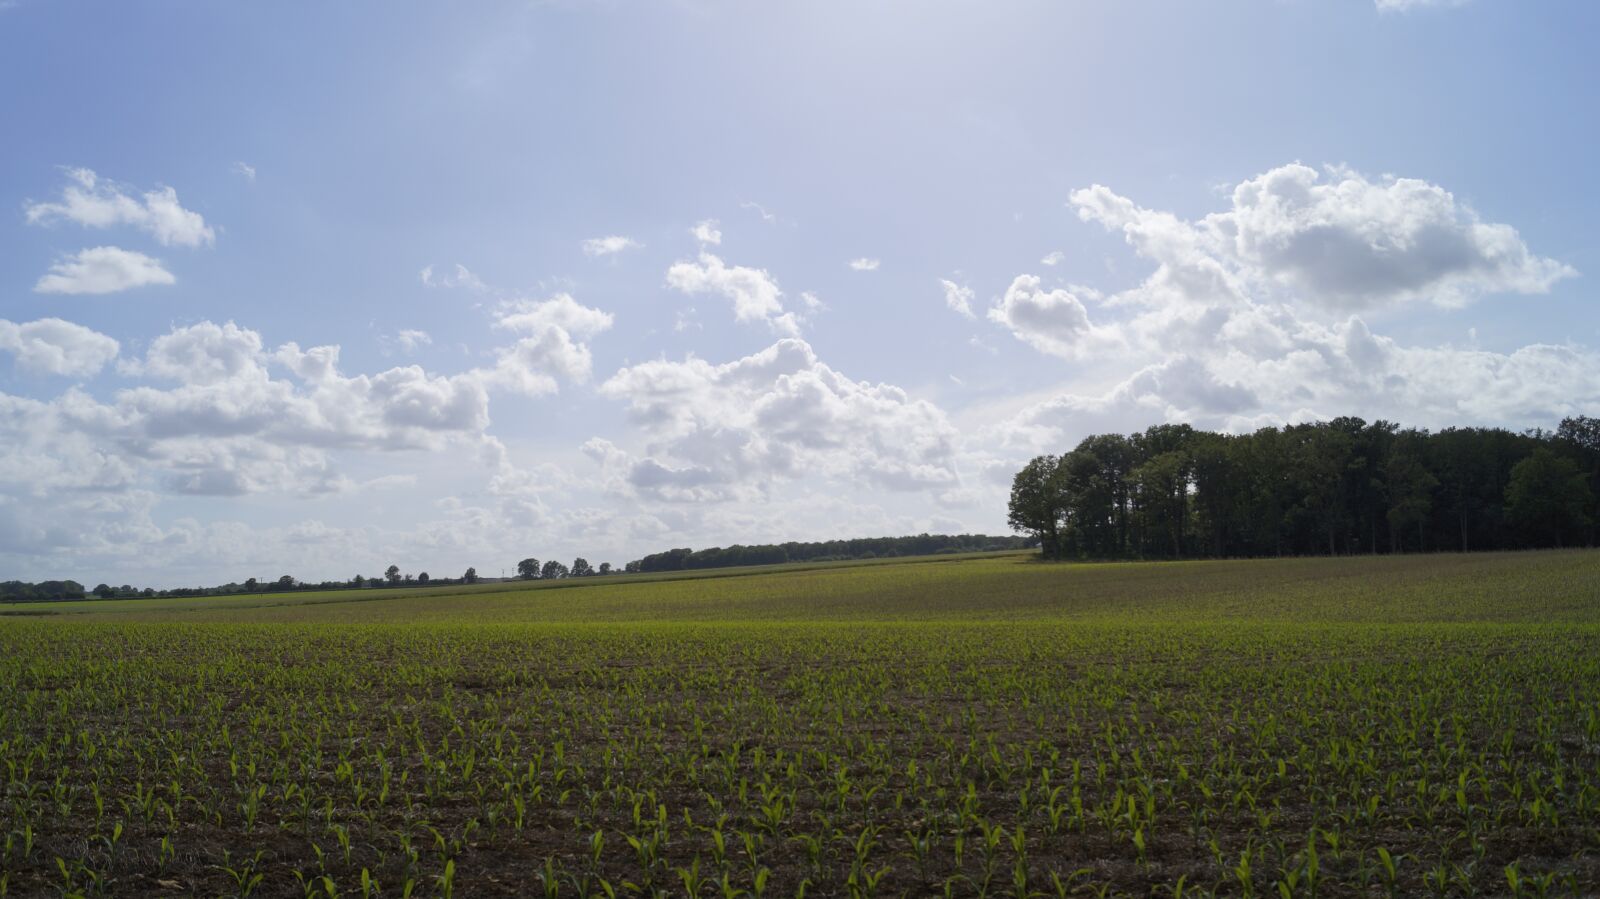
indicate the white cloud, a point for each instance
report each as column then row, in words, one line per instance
column 461, row 276
column 1054, row 257
column 410, row 339
column 225, row 423
column 706, row 232
column 609, row 246
column 958, row 297
column 205, row 353
column 93, row 203
column 554, row 348
column 864, row 264
column 560, row 311
column 717, row 432
column 1051, row 321
column 55, row 347
column 216, row 412
column 1244, row 320
column 102, row 270
column 760, row 210
column 245, row 169
column 754, row 292
column 1344, row 242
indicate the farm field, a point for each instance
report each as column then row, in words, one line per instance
column 969, row 726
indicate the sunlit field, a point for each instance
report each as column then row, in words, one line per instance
column 984, row 725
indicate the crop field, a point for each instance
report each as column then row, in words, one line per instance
column 976, row 726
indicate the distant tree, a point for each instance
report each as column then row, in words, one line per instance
column 359, row 581
column 581, row 568
column 409, row 579
column 552, row 570
column 104, row 591
column 605, row 567
column 471, row 576
column 1410, row 487
column 1037, row 504
column 1581, row 437
column 1548, row 497
column 392, row 574
column 528, row 569
column 149, row 591
column 251, row 585
column 422, row 578
column 286, row 582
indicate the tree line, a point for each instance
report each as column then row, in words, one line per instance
column 825, row 551
column 531, row 570
column 1327, row 488
column 22, row 591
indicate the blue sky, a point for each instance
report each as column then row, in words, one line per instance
column 1065, row 218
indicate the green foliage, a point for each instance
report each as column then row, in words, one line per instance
column 1338, row 487
column 685, row 559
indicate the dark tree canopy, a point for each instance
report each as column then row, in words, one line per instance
column 826, row 551
column 1340, row 486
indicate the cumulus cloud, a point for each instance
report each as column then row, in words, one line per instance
column 754, row 292
column 1051, row 321
column 98, row 270
column 864, row 264
column 1333, row 239
column 1246, row 318
column 245, row 169
column 1054, row 257
column 92, row 469
column 93, row 202
column 554, row 347
column 405, row 341
column 54, row 347
column 718, row 432
column 707, row 232
column 215, row 411
column 608, row 246
column 227, row 423
column 958, row 297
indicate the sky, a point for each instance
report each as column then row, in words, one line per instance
column 312, row 289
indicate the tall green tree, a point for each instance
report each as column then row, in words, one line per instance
column 1409, row 486
column 1038, row 503
column 1549, row 498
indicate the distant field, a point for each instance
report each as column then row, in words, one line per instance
column 986, row 725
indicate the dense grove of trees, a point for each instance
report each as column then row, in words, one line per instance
column 1335, row 487
column 831, row 550
column 22, row 591
column 531, row 570
column 19, row 591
